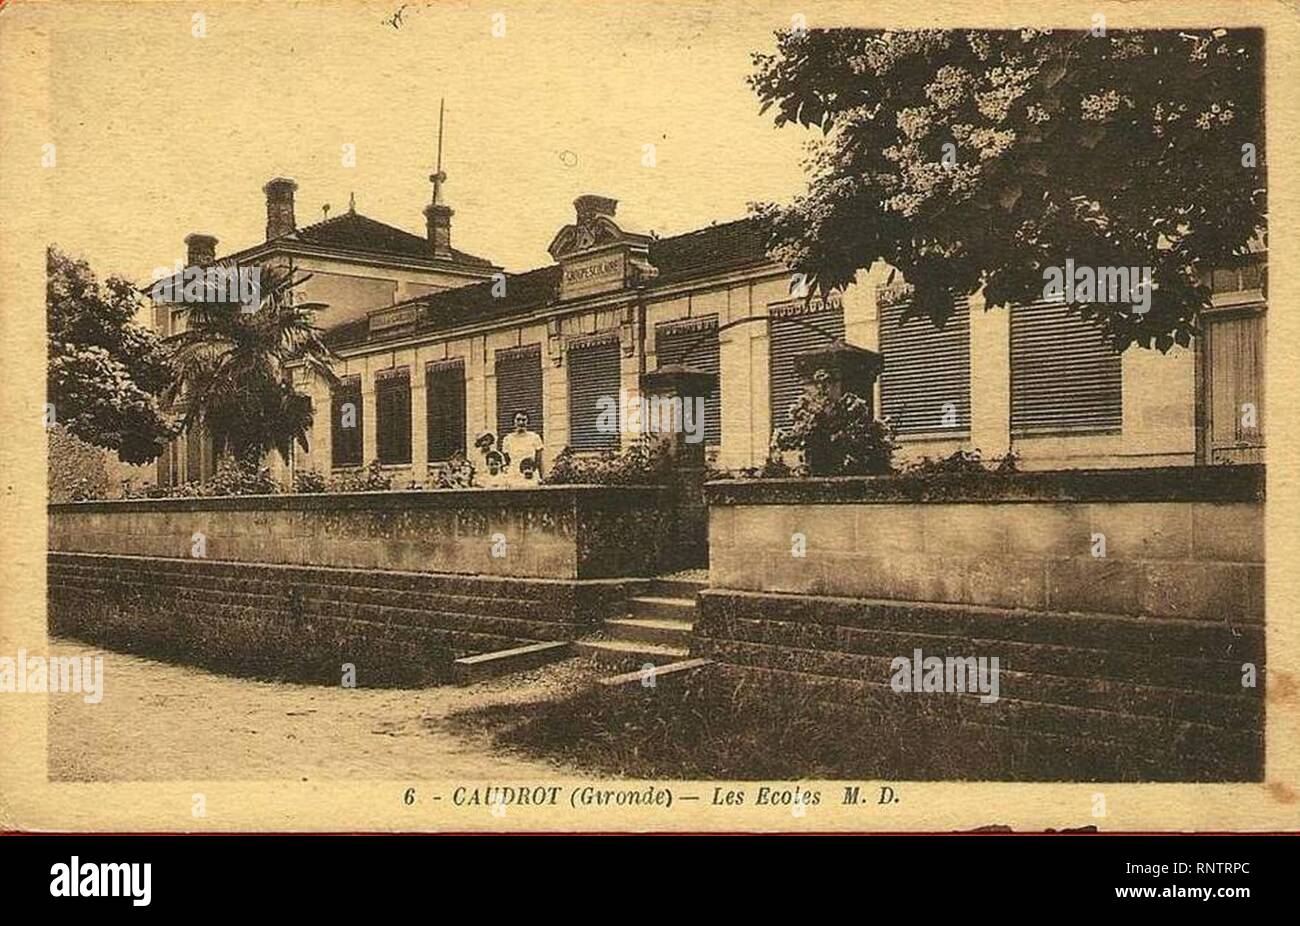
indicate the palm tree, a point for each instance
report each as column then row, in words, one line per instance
column 231, row 368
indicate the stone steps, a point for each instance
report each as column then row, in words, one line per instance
column 655, row 608
column 656, row 630
column 651, row 630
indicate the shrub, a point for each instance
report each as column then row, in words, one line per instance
column 642, row 462
column 240, row 477
column 838, row 437
column 962, row 463
column 371, row 479
column 308, row 482
column 959, row 462
column 456, row 473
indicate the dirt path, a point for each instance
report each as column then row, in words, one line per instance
column 159, row 721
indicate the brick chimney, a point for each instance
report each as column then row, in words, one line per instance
column 438, row 218
column 200, row 250
column 279, row 207
column 589, row 207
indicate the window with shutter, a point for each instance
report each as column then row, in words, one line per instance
column 393, row 416
column 925, row 376
column 345, row 423
column 593, row 375
column 694, row 343
column 795, row 328
column 445, row 397
column 1065, row 374
column 519, row 387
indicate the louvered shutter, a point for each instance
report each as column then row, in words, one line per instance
column 345, row 442
column 1065, row 375
column 694, row 343
column 393, row 424
column 795, row 328
column 444, row 393
column 925, row 377
column 593, row 375
column 519, row 387
column 193, row 456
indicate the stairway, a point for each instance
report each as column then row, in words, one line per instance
column 656, row 629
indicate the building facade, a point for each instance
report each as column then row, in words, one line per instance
column 435, row 347
column 347, row 263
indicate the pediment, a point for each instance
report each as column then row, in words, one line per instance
column 595, row 234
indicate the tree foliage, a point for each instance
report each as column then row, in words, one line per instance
column 232, row 368
column 105, row 373
column 1116, row 150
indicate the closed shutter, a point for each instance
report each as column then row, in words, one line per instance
column 1233, row 351
column 925, row 376
column 593, row 376
column 444, row 393
column 1065, row 374
column 694, row 343
column 193, row 455
column 345, row 424
column 393, row 421
column 519, row 387
column 795, row 328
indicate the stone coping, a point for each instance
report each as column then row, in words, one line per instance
column 560, row 496
column 1220, row 483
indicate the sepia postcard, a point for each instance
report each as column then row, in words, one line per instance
column 648, row 417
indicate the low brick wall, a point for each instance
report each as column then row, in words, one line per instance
column 293, row 586
column 1134, row 658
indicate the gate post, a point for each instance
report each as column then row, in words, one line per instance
column 686, row 532
column 851, row 369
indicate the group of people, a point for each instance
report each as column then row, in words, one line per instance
column 518, row 459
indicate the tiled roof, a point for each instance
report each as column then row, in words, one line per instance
column 355, row 232
column 707, row 250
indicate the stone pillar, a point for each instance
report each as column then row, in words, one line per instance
column 685, row 534
column 419, row 426
column 851, row 369
column 990, row 378
column 369, row 419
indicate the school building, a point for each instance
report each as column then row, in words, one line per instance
column 435, row 346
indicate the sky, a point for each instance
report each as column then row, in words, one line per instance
column 160, row 132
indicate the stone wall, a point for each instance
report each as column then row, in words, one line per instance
column 1135, row 658
column 396, row 584
column 304, row 622
column 557, row 532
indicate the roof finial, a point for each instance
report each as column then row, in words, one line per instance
column 352, row 202
column 439, row 177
